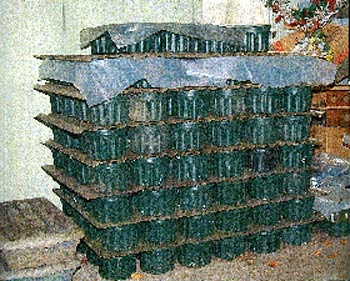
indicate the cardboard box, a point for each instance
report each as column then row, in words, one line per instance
column 332, row 140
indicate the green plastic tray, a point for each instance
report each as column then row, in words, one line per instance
column 294, row 128
column 189, row 104
column 296, row 156
column 231, row 193
column 149, row 139
column 197, row 227
column 199, row 197
column 296, row 99
column 266, row 187
column 232, row 221
column 299, row 209
column 226, row 133
column 188, row 136
column 265, row 242
column 190, row 168
column 229, row 248
column 263, row 100
column 159, row 202
column 158, row 261
column 260, row 130
column 297, row 234
column 229, row 164
column 227, row 102
column 195, row 255
column 158, row 232
column 268, row 214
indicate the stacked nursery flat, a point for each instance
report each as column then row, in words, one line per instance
column 183, row 165
column 37, row 241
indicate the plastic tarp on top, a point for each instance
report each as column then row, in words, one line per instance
column 100, row 80
column 131, row 33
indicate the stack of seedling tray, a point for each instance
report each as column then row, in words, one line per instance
column 166, row 175
column 37, row 241
column 182, row 174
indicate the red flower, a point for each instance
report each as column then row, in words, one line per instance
column 277, row 46
column 278, row 19
column 302, row 22
column 341, row 57
column 331, row 4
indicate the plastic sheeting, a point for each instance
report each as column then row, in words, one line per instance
column 100, row 80
column 332, row 176
column 131, row 33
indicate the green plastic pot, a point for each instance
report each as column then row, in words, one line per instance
column 257, row 38
column 148, row 106
column 294, row 128
column 190, row 168
column 229, row 248
column 227, row 102
column 54, row 102
column 66, row 139
column 266, row 187
column 159, row 202
column 158, row 261
column 297, row 183
column 229, row 163
column 268, row 214
column 105, row 144
column 114, row 111
column 159, row 232
column 200, row 197
column 337, row 229
column 120, row 238
column 262, row 159
column 261, row 130
column 197, row 227
column 149, row 139
column 92, row 257
column 265, row 242
column 232, row 221
column 114, row 176
column 231, row 193
column 81, row 110
column 83, row 173
column 299, row 209
column 297, row 234
column 62, row 161
column 296, row 156
column 189, row 104
column 226, row 133
column 188, row 136
column 263, row 100
column 111, row 209
column 194, row 255
column 151, row 171
column 118, row 268
column 296, row 99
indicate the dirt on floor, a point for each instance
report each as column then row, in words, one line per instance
column 324, row 258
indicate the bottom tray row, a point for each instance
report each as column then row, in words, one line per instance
column 135, row 237
column 159, row 261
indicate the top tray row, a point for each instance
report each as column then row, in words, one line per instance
column 175, row 38
column 184, row 104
